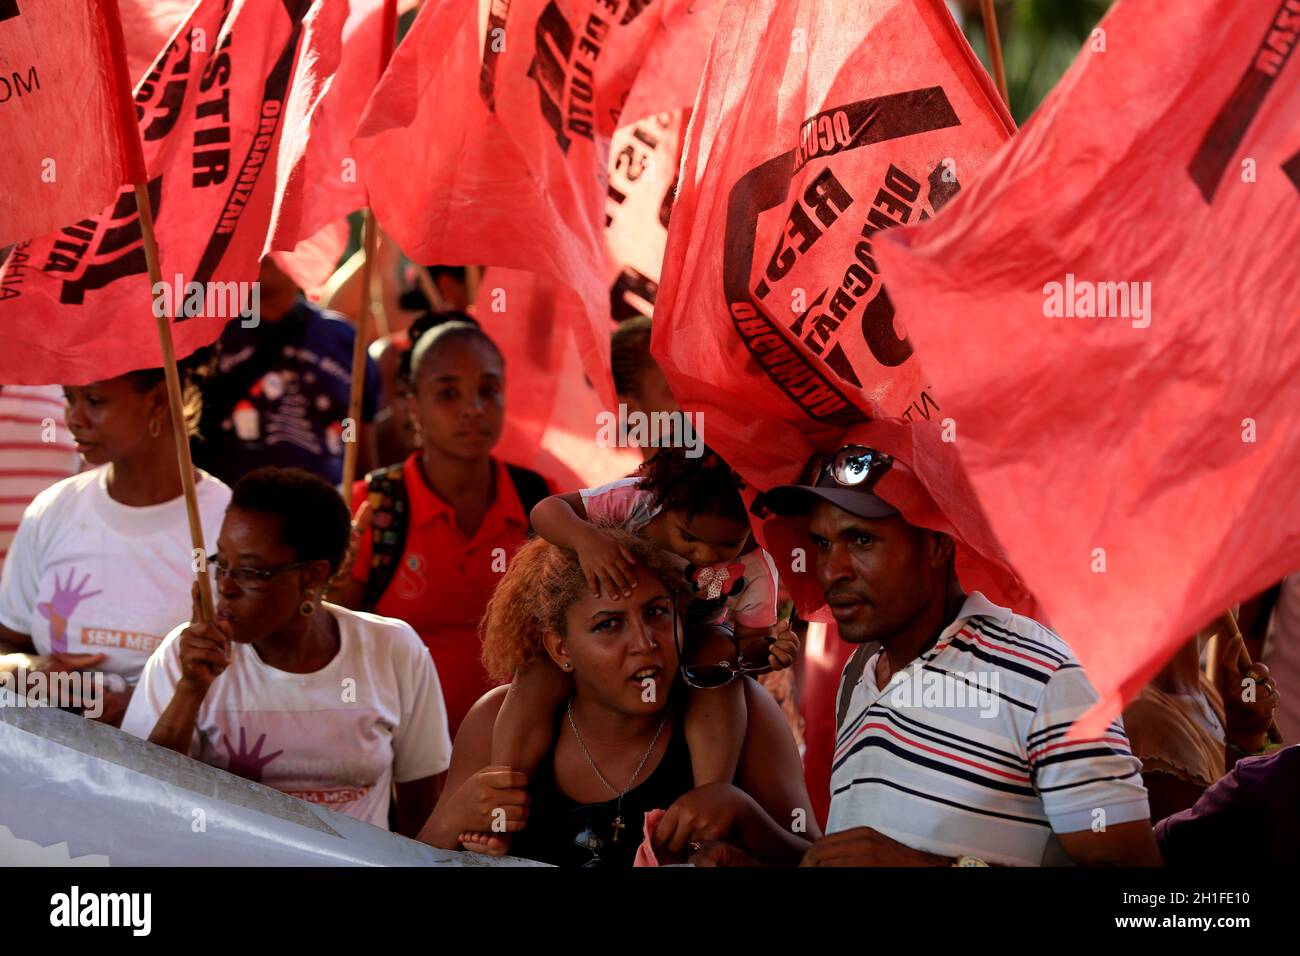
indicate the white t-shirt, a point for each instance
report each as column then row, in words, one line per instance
column 87, row 574
column 339, row 736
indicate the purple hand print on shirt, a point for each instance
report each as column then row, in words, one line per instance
column 247, row 763
column 58, row 609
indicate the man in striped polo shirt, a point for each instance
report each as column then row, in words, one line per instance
column 953, row 711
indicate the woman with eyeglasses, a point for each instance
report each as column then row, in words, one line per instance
column 323, row 703
column 619, row 746
column 101, row 566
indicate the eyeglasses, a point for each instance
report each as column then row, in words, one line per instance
column 853, row 466
column 248, row 577
column 713, row 676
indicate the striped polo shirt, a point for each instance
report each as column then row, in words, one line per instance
column 964, row 751
column 36, row 450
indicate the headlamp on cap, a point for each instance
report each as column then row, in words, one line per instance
column 847, row 479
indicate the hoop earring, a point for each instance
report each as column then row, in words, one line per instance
column 155, row 427
column 307, row 608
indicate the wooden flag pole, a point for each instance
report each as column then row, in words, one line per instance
column 995, row 49
column 351, row 448
column 369, row 237
column 133, row 154
column 176, row 403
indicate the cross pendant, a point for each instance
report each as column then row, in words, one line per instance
column 618, row 825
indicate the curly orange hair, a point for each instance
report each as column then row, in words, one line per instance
column 540, row 585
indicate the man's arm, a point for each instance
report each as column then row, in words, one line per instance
column 1125, row 844
column 864, row 846
column 1091, row 787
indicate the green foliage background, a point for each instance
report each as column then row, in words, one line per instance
column 1040, row 39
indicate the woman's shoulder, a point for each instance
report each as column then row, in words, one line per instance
column 213, row 493
column 474, row 736
column 379, row 634
column 65, row 493
column 486, row 707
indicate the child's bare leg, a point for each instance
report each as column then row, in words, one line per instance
column 524, row 728
column 523, row 732
column 715, row 719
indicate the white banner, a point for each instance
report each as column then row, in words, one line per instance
column 77, row 792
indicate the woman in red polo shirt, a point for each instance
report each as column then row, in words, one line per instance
column 444, row 523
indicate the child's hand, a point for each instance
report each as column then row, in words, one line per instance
column 785, row 648
column 607, row 565
column 779, row 647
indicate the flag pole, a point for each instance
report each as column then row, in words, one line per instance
column 351, row 448
column 387, row 40
column 133, row 154
column 995, row 49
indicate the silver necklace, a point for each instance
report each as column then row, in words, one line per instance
column 618, row 811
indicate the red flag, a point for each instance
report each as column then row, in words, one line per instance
column 310, row 232
column 816, row 126
column 1110, row 317
column 211, row 112
column 147, row 26
column 488, row 138
column 644, row 157
column 551, row 410
column 62, row 155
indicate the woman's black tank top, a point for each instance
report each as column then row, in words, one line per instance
column 563, row 832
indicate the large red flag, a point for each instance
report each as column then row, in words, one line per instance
column 62, row 155
column 1110, row 317
column 487, row 141
column 310, row 229
column 147, row 26
column 551, row 407
column 817, row 126
column 211, row 112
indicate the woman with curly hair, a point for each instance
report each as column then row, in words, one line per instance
column 617, row 750
column 101, row 566
column 689, row 509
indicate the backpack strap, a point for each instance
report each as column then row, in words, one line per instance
column 852, row 674
column 531, row 489
column 389, row 522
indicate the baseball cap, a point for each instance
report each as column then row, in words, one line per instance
column 846, row 479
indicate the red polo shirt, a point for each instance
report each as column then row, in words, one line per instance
column 444, row 579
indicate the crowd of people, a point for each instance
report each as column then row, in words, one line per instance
column 472, row 657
